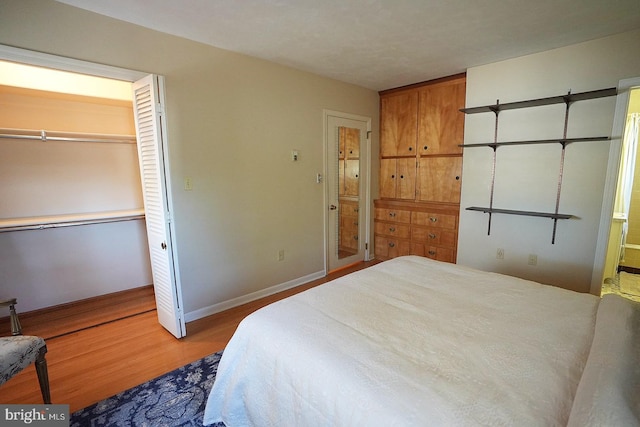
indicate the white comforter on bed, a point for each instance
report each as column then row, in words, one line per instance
column 609, row 390
column 408, row 342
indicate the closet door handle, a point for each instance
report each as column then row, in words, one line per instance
column 163, row 245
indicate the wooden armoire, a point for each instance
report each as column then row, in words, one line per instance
column 421, row 128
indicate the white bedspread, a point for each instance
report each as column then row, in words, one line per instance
column 609, row 391
column 408, row 342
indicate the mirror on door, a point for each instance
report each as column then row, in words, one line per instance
column 348, row 191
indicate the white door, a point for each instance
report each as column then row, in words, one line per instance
column 148, row 101
column 347, row 188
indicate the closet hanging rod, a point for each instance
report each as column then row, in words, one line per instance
column 72, row 220
column 44, row 136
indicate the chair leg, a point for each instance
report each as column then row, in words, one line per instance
column 43, row 375
column 16, row 328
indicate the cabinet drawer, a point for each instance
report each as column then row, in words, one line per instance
column 349, row 240
column 349, row 224
column 390, row 247
column 349, row 209
column 434, row 236
column 396, row 215
column 393, row 229
column 434, row 220
column 433, row 252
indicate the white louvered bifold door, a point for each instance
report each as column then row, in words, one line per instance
column 147, row 106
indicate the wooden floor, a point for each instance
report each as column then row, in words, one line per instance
column 104, row 346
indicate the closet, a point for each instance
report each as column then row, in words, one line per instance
column 72, row 218
column 421, row 129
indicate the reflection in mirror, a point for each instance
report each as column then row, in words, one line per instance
column 348, row 191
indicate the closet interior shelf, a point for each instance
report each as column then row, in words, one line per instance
column 562, row 141
column 561, row 99
column 44, row 136
column 69, row 220
column 517, row 212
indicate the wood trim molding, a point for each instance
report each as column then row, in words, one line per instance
column 425, row 83
column 57, row 62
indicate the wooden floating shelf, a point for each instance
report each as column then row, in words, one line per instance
column 561, row 99
column 563, row 141
column 523, row 213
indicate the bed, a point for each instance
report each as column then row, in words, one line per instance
column 414, row 342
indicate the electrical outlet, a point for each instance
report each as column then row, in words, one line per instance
column 533, row 259
column 281, row 255
column 500, row 253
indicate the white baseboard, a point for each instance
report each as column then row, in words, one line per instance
column 216, row 308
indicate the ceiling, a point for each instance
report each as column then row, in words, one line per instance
column 379, row 44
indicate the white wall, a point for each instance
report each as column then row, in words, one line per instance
column 527, row 177
column 232, row 122
column 43, row 268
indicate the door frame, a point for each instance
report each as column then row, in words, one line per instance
column 367, row 183
column 62, row 63
column 611, row 182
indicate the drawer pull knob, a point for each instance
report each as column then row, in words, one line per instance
column 432, row 236
column 392, row 229
column 432, row 253
column 391, row 244
column 433, row 219
column 393, row 176
column 392, row 214
column 401, row 176
column 410, row 148
column 426, row 147
column 457, row 178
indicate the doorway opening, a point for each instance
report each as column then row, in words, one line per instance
column 622, row 275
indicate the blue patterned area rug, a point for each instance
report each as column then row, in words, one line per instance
column 174, row 399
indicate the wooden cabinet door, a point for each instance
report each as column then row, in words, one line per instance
column 398, row 124
column 351, row 177
column 440, row 122
column 439, row 179
column 352, row 143
column 388, row 178
column 406, row 178
column 341, row 186
column 398, row 178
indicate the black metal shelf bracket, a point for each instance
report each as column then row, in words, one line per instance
column 568, row 100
